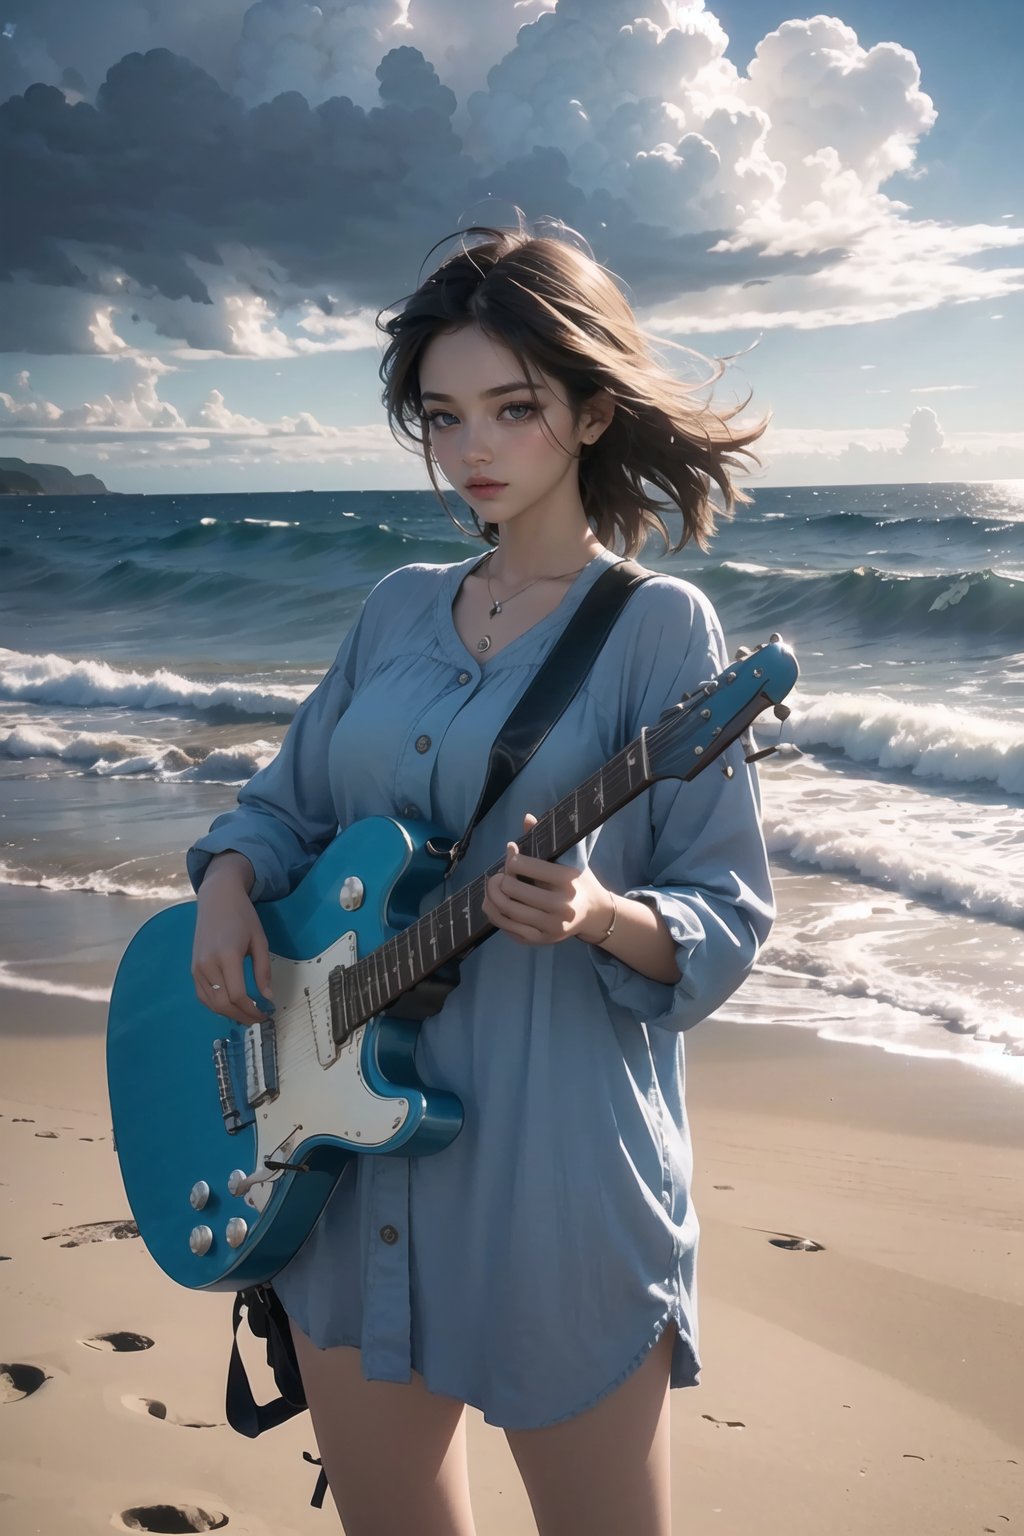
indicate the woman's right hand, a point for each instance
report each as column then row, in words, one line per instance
column 228, row 929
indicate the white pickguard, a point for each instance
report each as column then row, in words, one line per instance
column 322, row 1090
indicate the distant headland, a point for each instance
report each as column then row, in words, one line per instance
column 20, row 479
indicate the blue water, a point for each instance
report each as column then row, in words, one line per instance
column 154, row 649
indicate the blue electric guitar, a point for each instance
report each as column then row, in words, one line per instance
column 232, row 1137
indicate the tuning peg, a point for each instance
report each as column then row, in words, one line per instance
column 782, row 711
column 742, row 653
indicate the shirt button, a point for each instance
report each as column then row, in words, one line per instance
column 389, row 1234
column 464, row 677
column 412, row 811
column 422, row 743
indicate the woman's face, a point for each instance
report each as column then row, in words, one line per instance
column 499, row 436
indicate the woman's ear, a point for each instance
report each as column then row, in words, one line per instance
column 596, row 415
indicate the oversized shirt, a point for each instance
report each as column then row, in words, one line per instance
column 529, row 1267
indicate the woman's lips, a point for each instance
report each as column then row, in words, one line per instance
column 491, row 488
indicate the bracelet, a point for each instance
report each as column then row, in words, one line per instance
column 611, row 930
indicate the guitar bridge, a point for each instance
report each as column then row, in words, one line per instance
column 230, row 1112
column 246, row 1073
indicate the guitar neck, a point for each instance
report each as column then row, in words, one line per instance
column 458, row 924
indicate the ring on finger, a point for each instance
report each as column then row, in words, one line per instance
column 215, row 986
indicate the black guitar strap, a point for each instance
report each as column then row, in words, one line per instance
column 555, row 686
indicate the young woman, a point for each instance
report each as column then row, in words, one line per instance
column 541, row 1267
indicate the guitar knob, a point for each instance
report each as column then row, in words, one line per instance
column 235, row 1181
column 199, row 1195
column 236, row 1231
column 200, row 1240
column 351, row 894
column 782, row 711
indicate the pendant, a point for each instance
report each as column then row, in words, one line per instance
column 484, row 644
column 496, row 609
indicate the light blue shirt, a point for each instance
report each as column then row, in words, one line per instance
column 539, row 1256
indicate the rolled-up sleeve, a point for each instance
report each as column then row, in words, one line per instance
column 707, row 872
column 286, row 814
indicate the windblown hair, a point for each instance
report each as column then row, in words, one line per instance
column 554, row 305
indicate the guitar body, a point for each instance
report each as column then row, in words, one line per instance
column 200, row 1103
column 230, row 1137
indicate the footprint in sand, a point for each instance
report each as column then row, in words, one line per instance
column 47, row 1135
column 158, row 1410
column 171, row 1518
column 18, row 1381
column 724, row 1423
column 120, row 1343
column 94, row 1232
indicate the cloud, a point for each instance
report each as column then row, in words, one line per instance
column 227, row 173
column 137, row 428
column 920, row 450
column 131, row 427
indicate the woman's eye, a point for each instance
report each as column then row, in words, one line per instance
column 434, row 417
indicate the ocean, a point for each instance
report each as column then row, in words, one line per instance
column 153, row 649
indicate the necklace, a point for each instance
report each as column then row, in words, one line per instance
column 497, row 604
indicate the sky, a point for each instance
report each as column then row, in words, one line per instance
column 208, row 201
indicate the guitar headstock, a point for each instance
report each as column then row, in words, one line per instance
column 693, row 732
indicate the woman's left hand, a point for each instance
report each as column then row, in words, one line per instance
column 542, row 903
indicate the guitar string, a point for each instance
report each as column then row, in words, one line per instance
column 614, row 773
column 616, row 776
column 307, row 1052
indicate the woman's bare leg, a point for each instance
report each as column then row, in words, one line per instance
column 605, row 1472
column 394, row 1453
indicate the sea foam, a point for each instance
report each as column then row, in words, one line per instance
column 112, row 755
column 52, row 679
column 96, row 882
column 18, row 981
column 903, row 863
column 931, row 740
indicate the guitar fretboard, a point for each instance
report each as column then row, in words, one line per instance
column 458, row 923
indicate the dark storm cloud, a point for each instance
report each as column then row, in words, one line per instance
column 168, row 167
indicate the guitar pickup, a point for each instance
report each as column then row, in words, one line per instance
column 259, row 1044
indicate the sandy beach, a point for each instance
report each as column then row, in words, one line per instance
column 871, row 1384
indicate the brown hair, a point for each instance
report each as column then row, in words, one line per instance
column 548, row 301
